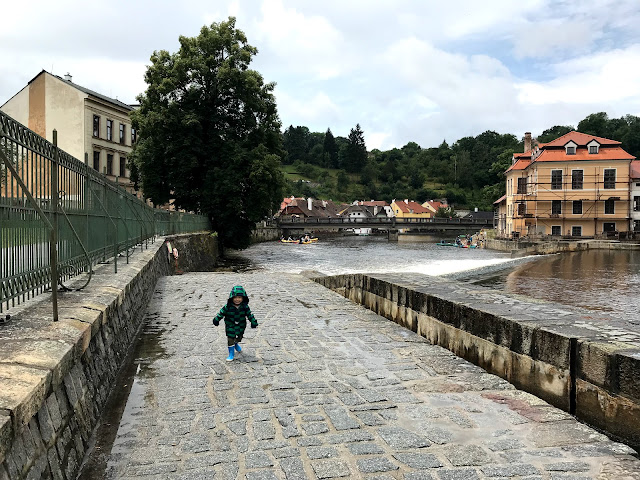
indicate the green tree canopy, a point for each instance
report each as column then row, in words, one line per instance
column 356, row 151
column 209, row 132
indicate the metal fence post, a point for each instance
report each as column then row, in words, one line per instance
column 53, row 243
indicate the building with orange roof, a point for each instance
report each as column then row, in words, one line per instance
column 409, row 209
column 634, row 193
column 577, row 185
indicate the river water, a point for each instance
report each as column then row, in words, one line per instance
column 604, row 281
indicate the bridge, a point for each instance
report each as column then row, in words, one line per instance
column 435, row 224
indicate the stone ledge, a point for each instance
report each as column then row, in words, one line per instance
column 550, row 350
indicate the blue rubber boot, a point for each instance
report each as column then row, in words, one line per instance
column 238, row 347
column 230, row 357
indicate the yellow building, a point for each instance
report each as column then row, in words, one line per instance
column 409, row 209
column 86, row 121
column 576, row 185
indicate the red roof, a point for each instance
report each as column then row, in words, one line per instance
column 580, row 139
column 604, row 153
column 374, row 203
column 554, row 151
column 520, row 165
column 407, row 207
column 634, row 169
column 500, row 200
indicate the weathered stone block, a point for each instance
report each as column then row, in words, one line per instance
column 22, row 391
column 617, row 415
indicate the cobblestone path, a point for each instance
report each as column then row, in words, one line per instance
column 327, row 389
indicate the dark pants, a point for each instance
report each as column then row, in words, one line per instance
column 231, row 341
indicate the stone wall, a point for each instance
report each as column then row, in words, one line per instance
column 555, row 352
column 522, row 247
column 265, row 233
column 55, row 377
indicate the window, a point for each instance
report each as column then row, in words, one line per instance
column 571, row 150
column 577, row 177
column 123, row 165
column 522, row 209
column 96, row 161
column 522, row 185
column 109, row 130
column 556, row 230
column 609, row 206
column 133, row 135
column 577, row 207
column 609, row 227
column 636, row 204
column 609, row 178
column 556, row 207
column 122, row 131
column 556, row 179
column 109, row 163
column 576, row 231
column 96, row 126
column 593, row 149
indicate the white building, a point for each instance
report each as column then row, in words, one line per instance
column 90, row 126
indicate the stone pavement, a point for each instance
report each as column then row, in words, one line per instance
column 327, row 389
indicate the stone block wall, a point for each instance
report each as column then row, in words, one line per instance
column 55, row 377
column 552, row 351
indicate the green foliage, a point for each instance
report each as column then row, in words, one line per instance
column 469, row 173
column 355, row 155
column 209, row 132
column 446, row 212
column 554, row 132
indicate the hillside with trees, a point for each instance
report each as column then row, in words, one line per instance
column 469, row 173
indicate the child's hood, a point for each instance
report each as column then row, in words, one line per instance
column 238, row 291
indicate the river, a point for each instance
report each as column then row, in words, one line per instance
column 607, row 282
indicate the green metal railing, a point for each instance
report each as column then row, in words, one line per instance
column 51, row 235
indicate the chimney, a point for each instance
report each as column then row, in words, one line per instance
column 68, row 77
column 310, row 204
column 527, row 141
column 476, row 210
column 406, row 200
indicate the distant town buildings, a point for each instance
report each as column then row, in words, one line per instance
column 578, row 185
column 90, row 126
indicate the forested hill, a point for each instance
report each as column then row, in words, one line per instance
column 468, row 173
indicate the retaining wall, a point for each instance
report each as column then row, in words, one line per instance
column 562, row 355
column 55, row 378
column 522, row 247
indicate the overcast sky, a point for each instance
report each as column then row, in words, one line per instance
column 405, row 70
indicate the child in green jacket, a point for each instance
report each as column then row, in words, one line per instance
column 235, row 314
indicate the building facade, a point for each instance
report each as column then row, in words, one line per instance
column 91, row 127
column 577, row 185
column 634, row 189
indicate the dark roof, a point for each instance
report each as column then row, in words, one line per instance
column 93, row 93
column 480, row 215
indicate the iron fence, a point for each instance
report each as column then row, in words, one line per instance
column 50, row 235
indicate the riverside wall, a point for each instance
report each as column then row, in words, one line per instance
column 560, row 354
column 523, row 247
column 55, row 377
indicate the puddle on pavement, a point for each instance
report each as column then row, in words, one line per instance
column 129, row 391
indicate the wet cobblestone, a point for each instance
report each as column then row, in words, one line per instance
column 327, row 389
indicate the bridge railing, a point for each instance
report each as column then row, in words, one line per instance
column 382, row 221
column 59, row 217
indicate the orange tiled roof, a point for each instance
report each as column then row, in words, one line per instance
column 407, row 207
column 500, row 200
column 604, row 153
column 520, row 165
column 581, row 139
column 634, row 169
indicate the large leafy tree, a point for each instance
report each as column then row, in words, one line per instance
column 209, row 132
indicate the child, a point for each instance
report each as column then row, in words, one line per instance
column 235, row 314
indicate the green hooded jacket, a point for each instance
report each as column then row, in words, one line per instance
column 235, row 318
